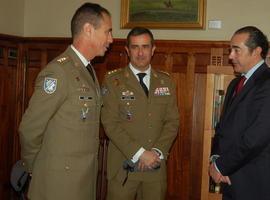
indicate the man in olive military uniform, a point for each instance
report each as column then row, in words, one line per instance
column 59, row 130
column 140, row 117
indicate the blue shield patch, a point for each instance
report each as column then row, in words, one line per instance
column 50, row 85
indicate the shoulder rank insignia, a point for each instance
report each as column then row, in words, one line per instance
column 163, row 72
column 113, row 71
column 62, row 59
column 50, row 85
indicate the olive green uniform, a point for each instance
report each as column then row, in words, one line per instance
column 132, row 120
column 59, row 131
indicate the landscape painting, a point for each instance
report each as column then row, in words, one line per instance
column 162, row 14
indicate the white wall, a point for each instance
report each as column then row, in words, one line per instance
column 51, row 18
column 12, row 17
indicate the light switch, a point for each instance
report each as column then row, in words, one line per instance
column 214, row 24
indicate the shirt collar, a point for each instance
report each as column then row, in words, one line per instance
column 81, row 57
column 253, row 69
column 136, row 71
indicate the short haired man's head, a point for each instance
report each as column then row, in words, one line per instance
column 88, row 13
column 140, row 48
column 256, row 39
column 139, row 31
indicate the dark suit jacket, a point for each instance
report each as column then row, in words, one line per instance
column 243, row 138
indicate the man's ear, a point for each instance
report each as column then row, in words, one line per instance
column 257, row 51
column 88, row 29
column 153, row 49
column 127, row 50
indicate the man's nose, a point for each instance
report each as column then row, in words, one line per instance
column 231, row 55
column 110, row 38
column 140, row 51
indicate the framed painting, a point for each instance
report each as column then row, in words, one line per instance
column 163, row 14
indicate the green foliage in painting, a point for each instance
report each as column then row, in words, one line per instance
column 164, row 10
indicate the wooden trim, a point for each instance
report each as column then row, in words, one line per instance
column 228, row 70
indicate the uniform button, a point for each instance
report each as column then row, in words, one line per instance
column 67, row 168
column 149, row 114
column 149, row 141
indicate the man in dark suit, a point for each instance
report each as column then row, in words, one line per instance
column 241, row 151
column 140, row 116
column 59, row 132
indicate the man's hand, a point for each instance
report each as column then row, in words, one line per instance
column 216, row 176
column 226, row 179
column 148, row 160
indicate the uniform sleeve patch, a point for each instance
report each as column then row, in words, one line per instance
column 50, row 85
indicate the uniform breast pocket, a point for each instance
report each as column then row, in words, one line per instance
column 159, row 106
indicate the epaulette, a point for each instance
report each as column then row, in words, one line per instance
column 115, row 71
column 62, row 60
column 163, row 72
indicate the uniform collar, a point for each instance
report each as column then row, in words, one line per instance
column 81, row 57
column 136, row 71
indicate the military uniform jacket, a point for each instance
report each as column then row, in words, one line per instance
column 59, row 131
column 131, row 120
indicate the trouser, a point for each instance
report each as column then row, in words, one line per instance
column 142, row 190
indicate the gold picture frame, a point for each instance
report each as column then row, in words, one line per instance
column 163, row 14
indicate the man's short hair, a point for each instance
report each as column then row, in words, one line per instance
column 139, row 31
column 87, row 13
column 256, row 39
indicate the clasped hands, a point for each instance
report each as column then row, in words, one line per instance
column 149, row 160
column 217, row 176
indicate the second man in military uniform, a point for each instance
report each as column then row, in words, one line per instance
column 140, row 117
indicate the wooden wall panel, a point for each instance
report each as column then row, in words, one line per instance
column 176, row 166
column 197, row 137
column 8, row 63
column 186, row 61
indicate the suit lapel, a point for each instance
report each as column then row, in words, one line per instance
column 247, row 87
column 229, row 97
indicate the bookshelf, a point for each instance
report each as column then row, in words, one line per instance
column 217, row 81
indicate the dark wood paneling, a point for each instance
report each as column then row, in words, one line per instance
column 8, row 66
